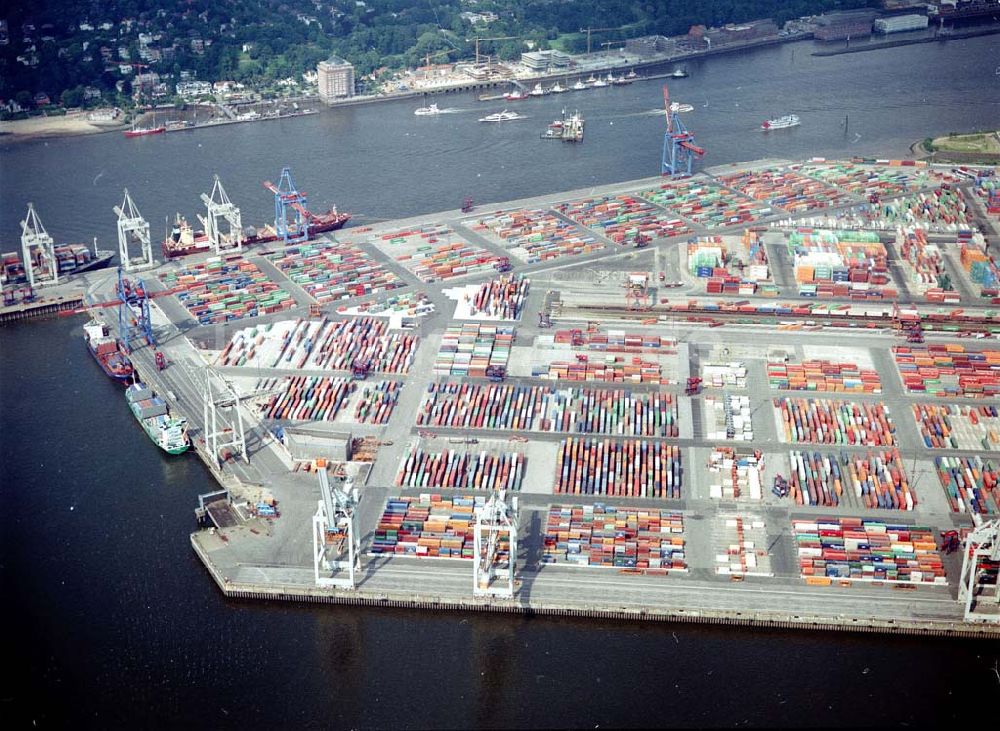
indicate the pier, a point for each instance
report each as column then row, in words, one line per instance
column 614, row 311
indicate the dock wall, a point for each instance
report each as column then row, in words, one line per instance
column 27, row 310
column 764, row 620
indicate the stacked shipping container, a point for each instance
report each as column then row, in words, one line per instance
column 538, row 408
column 949, row 370
column 822, row 421
column 874, row 479
column 608, row 467
column 330, row 272
column 856, row 549
column 823, row 375
column 619, row 537
column 469, row 349
column 461, row 470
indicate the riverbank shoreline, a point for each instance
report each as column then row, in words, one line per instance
column 74, row 124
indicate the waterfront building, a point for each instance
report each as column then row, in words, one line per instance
column 336, row 79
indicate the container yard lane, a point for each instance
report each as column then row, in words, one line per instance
column 751, row 396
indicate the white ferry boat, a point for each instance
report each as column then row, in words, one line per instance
column 503, row 116
column 789, row 120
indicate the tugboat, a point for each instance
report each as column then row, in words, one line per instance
column 679, row 73
column 579, row 85
column 556, row 89
column 567, row 129
column 537, row 91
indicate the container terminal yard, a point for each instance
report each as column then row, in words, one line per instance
column 764, row 394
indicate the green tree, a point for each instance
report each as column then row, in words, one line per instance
column 72, row 97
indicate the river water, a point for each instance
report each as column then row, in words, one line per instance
column 112, row 620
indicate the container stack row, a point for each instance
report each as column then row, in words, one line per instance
column 623, row 217
column 623, row 468
column 741, row 545
column 865, row 181
column 788, row 190
column 429, row 526
column 537, row 235
column 322, row 345
column 501, row 298
column 548, row 409
column 736, row 474
column 875, row 479
column 331, row 272
column 982, row 268
column 943, row 209
column 971, row 484
column 462, row 470
column 706, row 203
column 609, row 369
column 376, row 402
column 824, row 421
column 722, row 375
column 613, row 341
column 823, row 375
column 925, row 265
column 469, row 349
column 303, row 398
column 219, row 291
column 954, row 426
column 434, row 252
column 949, row 370
column 618, row 537
column 729, row 417
column 856, row 549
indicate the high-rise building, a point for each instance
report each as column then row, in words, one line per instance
column 336, row 79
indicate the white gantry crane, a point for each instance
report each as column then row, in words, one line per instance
column 333, row 527
column 222, row 210
column 981, row 558
column 495, row 547
column 133, row 229
column 37, row 251
column 216, row 399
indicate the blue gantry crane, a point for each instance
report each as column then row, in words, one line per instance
column 289, row 202
column 679, row 148
column 134, row 322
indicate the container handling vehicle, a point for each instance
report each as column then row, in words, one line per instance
column 359, row 369
column 693, row 387
column 780, row 487
column 496, row 373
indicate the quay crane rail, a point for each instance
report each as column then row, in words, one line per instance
column 679, row 148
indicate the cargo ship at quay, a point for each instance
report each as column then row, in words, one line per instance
column 778, row 410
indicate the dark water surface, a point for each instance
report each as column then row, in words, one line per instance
column 110, row 619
